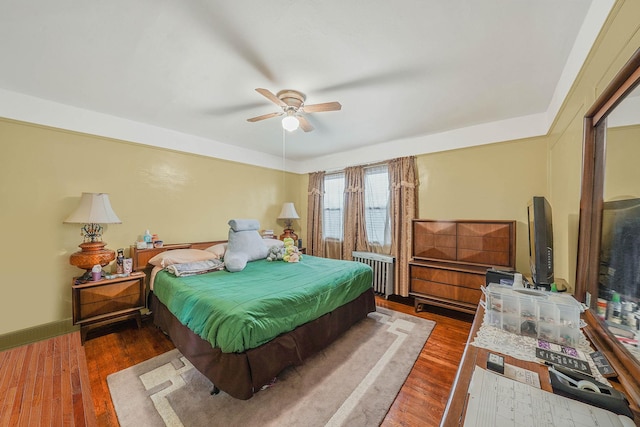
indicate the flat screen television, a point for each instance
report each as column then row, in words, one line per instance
column 540, row 242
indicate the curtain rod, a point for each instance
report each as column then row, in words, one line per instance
column 363, row 165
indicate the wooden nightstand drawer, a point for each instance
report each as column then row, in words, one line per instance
column 106, row 301
column 108, row 298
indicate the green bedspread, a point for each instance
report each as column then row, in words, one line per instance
column 239, row 311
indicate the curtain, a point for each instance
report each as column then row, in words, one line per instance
column 403, row 182
column 315, row 245
column 355, row 233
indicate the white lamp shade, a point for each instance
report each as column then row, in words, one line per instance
column 288, row 211
column 94, row 208
column 290, row 123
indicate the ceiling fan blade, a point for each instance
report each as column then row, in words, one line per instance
column 271, row 97
column 263, row 117
column 304, row 124
column 327, row 106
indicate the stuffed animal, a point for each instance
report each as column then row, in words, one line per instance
column 275, row 253
column 291, row 253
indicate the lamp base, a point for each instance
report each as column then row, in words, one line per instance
column 92, row 253
column 288, row 232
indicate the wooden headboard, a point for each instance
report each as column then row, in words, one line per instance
column 141, row 257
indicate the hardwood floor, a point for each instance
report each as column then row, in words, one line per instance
column 109, row 353
column 46, row 384
column 43, row 380
column 423, row 397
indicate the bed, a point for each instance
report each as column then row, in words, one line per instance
column 316, row 300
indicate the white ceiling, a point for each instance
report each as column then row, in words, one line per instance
column 413, row 76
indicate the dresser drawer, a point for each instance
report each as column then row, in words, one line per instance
column 484, row 257
column 109, row 298
column 446, row 291
column 447, row 276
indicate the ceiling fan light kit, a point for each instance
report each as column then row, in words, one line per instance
column 290, row 123
column 294, row 109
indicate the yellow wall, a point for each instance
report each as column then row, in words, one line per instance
column 487, row 182
column 181, row 197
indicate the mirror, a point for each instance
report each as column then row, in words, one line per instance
column 619, row 278
column 609, row 210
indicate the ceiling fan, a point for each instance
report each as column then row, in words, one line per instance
column 293, row 108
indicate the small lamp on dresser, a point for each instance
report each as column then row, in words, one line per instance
column 288, row 214
column 94, row 209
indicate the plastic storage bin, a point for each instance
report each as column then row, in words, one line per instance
column 536, row 314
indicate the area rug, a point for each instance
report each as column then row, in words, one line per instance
column 352, row 382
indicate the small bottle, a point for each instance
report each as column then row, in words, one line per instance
column 147, row 239
column 120, row 262
column 616, row 308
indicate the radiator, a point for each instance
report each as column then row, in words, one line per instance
column 383, row 270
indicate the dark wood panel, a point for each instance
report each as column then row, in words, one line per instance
column 446, row 290
column 435, row 246
column 484, row 243
column 493, row 241
column 447, row 276
column 437, row 227
column 499, row 259
column 113, row 305
column 485, row 229
column 438, row 253
column 102, row 293
column 434, row 239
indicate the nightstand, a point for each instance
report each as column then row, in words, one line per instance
column 103, row 302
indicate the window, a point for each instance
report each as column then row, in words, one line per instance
column 376, row 205
column 333, row 212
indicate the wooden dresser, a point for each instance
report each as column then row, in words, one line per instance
column 450, row 260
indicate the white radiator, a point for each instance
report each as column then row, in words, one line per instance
column 383, row 270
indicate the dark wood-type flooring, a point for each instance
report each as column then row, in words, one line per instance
column 45, row 381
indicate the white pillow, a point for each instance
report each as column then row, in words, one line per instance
column 218, row 249
column 180, row 256
column 273, row 242
column 244, row 246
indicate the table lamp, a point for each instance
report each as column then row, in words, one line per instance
column 94, row 209
column 288, row 214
